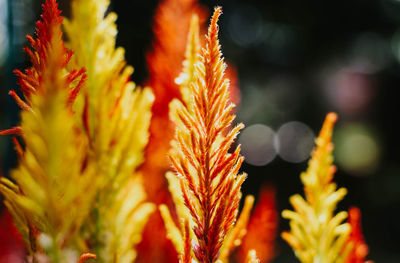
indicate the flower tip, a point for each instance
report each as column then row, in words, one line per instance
column 355, row 213
column 327, row 127
column 332, row 169
column 215, row 16
column 249, row 199
column 332, row 117
column 218, row 9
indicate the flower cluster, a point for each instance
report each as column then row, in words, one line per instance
column 317, row 234
column 95, row 153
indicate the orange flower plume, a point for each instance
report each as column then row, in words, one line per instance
column 48, row 31
column 171, row 27
column 360, row 250
column 208, row 174
column 262, row 228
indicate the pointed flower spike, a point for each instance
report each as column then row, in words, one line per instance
column 53, row 187
column 115, row 116
column 191, row 58
column 359, row 249
column 171, row 27
column 164, row 60
column 48, row 34
column 317, row 234
column 114, row 113
column 208, row 173
column 187, row 76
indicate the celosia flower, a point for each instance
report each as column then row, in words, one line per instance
column 46, row 29
column 115, row 116
column 208, row 174
column 175, row 233
column 262, row 228
column 54, row 186
column 171, row 26
column 30, row 81
column 359, row 249
column 317, row 235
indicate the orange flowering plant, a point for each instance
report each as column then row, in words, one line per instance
column 92, row 158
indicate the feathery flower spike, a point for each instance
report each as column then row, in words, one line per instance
column 46, row 29
column 171, row 27
column 53, row 188
column 187, row 75
column 115, row 117
column 317, row 235
column 174, row 233
column 30, row 80
column 208, row 173
column 359, row 249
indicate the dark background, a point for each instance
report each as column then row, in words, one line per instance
column 296, row 61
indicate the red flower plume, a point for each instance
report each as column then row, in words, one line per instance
column 360, row 248
column 262, row 228
column 48, row 38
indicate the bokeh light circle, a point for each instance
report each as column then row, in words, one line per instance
column 357, row 149
column 246, row 26
column 294, row 141
column 257, row 142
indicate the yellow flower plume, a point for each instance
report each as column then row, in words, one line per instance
column 317, row 235
column 115, row 117
column 54, row 186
